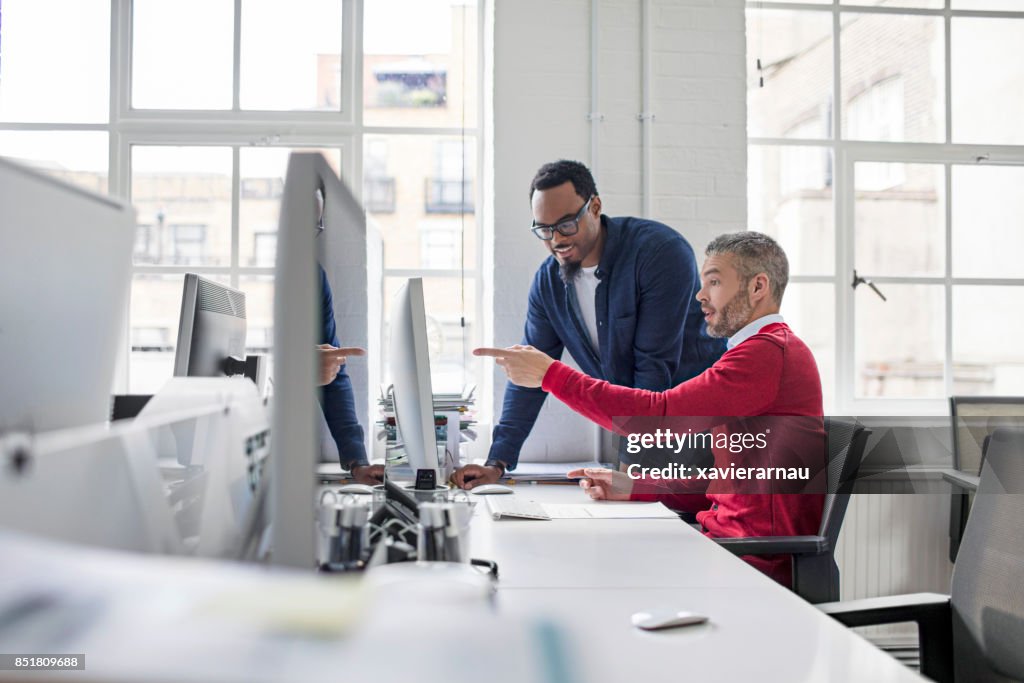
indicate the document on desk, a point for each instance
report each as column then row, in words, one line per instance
column 608, row 511
column 550, row 471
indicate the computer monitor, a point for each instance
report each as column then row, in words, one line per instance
column 211, row 331
column 64, row 279
column 410, row 378
column 974, row 418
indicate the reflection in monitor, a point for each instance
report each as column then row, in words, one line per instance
column 410, row 376
column 64, row 276
column 211, row 332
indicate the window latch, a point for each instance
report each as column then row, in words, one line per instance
column 858, row 280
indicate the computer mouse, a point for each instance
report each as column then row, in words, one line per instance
column 356, row 488
column 659, row 618
column 490, row 489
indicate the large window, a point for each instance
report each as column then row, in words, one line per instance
column 884, row 142
column 197, row 132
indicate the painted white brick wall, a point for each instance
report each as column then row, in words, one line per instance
column 541, row 96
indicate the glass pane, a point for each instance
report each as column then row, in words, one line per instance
column 790, row 198
column 291, row 55
column 78, row 157
column 262, row 172
column 153, row 329
column 900, row 217
column 259, row 314
column 420, row 192
column 809, row 309
column 988, row 80
column 182, row 54
column 900, row 345
column 987, row 362
column 795, row 53
column 421, row 70
column 893, row 77
column 1004, row 5
column 916, row 4
column 988, row 221
column 183, row 199
column 448, row 301
column 55, row 61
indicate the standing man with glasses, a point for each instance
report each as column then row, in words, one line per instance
column 617, row 293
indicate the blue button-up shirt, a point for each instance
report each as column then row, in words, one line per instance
column 337, row 398
column 651, row 332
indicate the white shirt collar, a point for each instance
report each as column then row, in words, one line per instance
column 752, row 328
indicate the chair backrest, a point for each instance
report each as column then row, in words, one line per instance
column 846, row 442
column 988, row 578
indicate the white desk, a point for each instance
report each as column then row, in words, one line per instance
column 173, row 619
column 591, row 575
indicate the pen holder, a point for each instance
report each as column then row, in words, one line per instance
column 343, row 531
column 443, row 532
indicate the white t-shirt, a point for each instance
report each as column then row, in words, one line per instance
column 586, row 293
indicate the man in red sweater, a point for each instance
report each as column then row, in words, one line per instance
column 766, row 371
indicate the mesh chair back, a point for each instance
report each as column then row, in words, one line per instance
column 846, row 441
column 988, row 579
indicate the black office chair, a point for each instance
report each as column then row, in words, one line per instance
column 815, row 572
column 977, row 632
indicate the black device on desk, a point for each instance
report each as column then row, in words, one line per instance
column 426, row 480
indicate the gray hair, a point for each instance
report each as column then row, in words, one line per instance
column 755, row 253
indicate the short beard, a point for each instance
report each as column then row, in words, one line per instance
column 734, row 315
column 569, row 271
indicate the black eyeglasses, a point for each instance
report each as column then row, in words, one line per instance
column 565, row 228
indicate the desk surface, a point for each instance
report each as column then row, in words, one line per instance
column 591, row 575
column 153, row 618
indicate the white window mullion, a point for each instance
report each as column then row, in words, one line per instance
column 353, row 13
column 843, row 389
column 236, row 67
column 948, row 289
column 236, row 199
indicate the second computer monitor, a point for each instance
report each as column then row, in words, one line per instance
column 410, row 376
column 211, row 334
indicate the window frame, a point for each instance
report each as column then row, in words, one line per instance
column 236, row 128
column 846, row 153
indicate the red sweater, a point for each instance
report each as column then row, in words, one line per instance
column 772, row 373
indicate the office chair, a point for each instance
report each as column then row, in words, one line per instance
column 815, row 572
column 973, row 420
column 975, row 633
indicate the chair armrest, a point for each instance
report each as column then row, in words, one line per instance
column 932, row 612
column 961, row 480
column 893, row 609
column 775, row 545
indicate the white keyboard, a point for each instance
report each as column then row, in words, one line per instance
column 510, row 506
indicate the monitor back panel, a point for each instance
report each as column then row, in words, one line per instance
column 64, row 281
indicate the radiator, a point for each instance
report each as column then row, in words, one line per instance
column 894, row 542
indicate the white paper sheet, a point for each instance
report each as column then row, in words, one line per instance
column 608, row 510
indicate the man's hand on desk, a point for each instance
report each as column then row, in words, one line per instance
column 368, row 474
column 331, row 360
column 472, row 476
column 524, row 365
column 602, row 484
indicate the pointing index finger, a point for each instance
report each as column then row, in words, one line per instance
column 492, row 352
